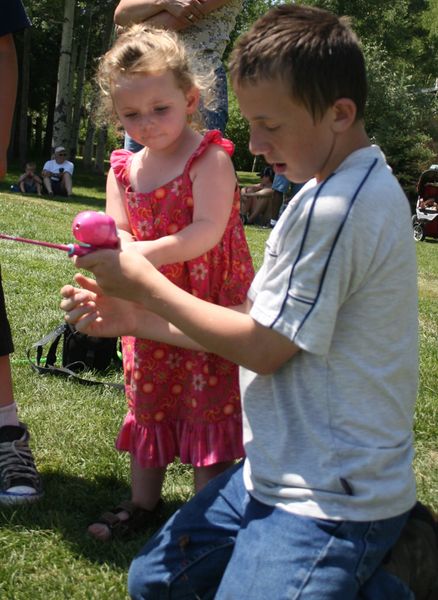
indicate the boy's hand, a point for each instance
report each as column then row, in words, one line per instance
column 124, row 274
column 95, row 314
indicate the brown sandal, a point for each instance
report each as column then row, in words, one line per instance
column 138, row 519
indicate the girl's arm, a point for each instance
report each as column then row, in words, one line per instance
column 115, row 207
column 214, row 182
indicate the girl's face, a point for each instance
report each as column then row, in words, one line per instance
column 152, row 108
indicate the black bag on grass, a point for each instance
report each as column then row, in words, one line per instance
column 80, row 352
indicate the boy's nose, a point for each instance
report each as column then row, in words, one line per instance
column 257, row 144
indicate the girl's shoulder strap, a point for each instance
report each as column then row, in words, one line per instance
column 213, row 136
column 120, row 162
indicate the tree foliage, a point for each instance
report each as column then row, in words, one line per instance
column 400, row 41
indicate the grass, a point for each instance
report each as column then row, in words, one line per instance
column 44, row 552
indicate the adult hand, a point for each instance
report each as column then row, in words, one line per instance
column 187, row 10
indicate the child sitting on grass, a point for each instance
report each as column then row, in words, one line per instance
column 29, row 182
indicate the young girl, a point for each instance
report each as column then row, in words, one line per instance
column 176, row 202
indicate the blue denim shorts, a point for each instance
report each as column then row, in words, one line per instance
column 223, row 544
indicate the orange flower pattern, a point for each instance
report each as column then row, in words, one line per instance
column 184, row 403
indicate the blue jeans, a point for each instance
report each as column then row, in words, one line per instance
column 223, row 544
column 215, row 117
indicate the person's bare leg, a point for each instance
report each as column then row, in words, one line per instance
column 67, row 183
column 276, row 202
column 146, row 487
column 202, row 475
column 259, row 208
column 48, row 185
column 244, row 204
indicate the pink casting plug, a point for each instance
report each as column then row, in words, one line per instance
column 95, row 230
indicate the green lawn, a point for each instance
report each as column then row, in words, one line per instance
column 44, row 552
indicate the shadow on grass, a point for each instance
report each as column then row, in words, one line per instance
column 69, row 505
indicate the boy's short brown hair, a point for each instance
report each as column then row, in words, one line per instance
column 314, row 52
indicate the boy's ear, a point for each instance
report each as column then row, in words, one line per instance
column 344, row 111
column 192, row 99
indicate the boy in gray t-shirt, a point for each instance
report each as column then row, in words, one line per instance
column 327, row 342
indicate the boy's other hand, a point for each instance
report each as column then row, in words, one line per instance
column 124, row 274
column 93, row 313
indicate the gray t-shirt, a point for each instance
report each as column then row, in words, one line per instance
column 330, row 433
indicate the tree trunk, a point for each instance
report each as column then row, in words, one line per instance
column 71, row 87
column 102, row 135
column 47, row 149
column 88, row 146
column 62, row 104
column 107, row 35
column 80, row 79
column 38, row 145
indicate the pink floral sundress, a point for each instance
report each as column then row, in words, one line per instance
column 181, row 402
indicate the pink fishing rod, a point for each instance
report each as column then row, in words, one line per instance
column 94, row 230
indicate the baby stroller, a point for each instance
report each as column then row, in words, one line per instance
column 425, row 220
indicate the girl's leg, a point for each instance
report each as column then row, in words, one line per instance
column 146, row 484
column 202, row 475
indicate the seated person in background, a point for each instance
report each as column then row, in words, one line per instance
column 57, row 174
column 255, row 200
column 280, row 189
column 29, row 182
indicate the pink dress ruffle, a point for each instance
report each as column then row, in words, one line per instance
column 181, row 402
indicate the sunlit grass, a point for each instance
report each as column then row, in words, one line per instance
column 44, row 551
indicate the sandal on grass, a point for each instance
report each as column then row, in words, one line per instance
column 126, row 520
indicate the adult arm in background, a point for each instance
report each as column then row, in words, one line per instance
column 8, row 92
column 45, row 171
column 230, row 333
column 168, row 14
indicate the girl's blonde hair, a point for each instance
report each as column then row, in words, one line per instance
column 145, row 50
